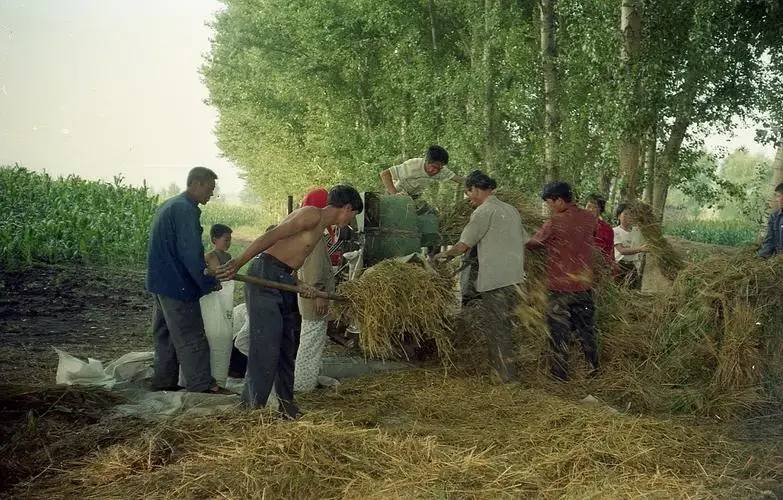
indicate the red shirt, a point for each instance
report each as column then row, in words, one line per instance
column 569, row 238
column 604, row 240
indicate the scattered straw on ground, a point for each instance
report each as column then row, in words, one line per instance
column 395, row 301
column 421, row 435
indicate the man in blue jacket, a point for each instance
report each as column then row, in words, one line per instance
column 175, row 276
column 773, row 242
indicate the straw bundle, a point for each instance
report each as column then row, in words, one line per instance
column 393, row 301
column 420, row 435
column 669, row 261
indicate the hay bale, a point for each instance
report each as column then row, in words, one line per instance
column 395, row 301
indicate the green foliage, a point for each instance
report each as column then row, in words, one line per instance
column 72, row 220
column 250, row 217
column 315, row 93
column 716, row 232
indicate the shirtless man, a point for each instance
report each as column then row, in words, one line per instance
column 273, row 314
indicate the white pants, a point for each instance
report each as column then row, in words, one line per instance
column 308, row 358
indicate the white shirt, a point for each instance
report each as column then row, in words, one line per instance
column 632, row 238
column 411, row 178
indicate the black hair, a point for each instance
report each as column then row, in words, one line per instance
column 599, row 201
column 200, row 174
column 437, row 153
column 218, row 231
column 480, row 180
column 555, row 190
column 342, row 195
column 779, row 188
column 622, row 207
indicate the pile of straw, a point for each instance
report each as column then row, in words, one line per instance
column 669, row 260
column 710, row 347
column 418, row 434
column 394, row 302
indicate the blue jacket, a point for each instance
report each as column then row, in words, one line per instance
column 175, row 260
column 773, row 242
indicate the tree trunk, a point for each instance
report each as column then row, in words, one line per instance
column 551, row 89
column 777, row 167
column 630, row 140
column 490, row 71
column 668, row 161
column 650, row 157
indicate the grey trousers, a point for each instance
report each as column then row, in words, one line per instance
column 497, row 313
column 178, row 332
column 274, row 336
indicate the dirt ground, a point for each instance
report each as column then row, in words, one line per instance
column 95, row 312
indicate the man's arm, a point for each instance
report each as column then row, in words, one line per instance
column 189, row 249
column 302, row 220
column 626, row 250
column 541, row 237
column 768, row 245
column 473, row 232
column 388, row 182
column 458, row 179
column 458, row 249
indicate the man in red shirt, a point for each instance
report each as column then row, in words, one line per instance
column 568, row 238
column 604, row 234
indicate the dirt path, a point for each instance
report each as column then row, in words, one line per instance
column 96, row 312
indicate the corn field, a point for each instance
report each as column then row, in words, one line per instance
column 716, row 232
column 72, row 220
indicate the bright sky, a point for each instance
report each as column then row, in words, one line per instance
column 102, row 87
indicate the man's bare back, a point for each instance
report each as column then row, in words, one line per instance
column 294, row 249
column 294, row 238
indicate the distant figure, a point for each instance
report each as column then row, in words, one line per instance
column 628, row 249
column 413, row 176
column 220, row 235
column 773, row 242
column 175, row 275
column 568, row 238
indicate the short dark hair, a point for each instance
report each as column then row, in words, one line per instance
column 480, row 180
column 437, row 153
column 599, row 201
column 218, row 231
column 555, row 190
column 779, row 188
column 200, row 174
column 342, row 195
column 622, row 207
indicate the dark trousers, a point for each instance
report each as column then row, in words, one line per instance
column 497, row 312
column 178, row 331
column 571, row 313
column 274, row 336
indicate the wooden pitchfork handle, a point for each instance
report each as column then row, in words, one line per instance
column 283, row 286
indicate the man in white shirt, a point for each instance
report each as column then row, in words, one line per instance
column 413, row 176
column 495, row 228
column 628, row 249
